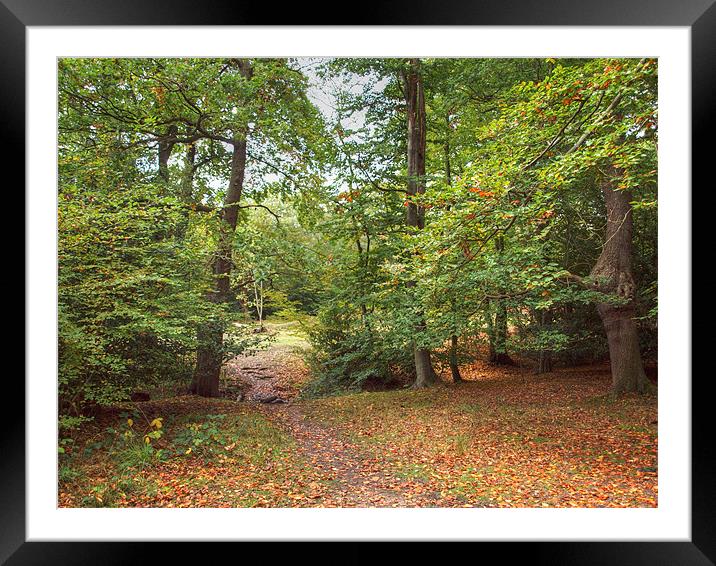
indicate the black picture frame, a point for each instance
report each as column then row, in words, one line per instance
column 699, row 15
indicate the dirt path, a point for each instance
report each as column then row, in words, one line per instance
column 356, row 478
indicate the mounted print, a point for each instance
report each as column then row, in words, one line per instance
column 358, row 282
column 413, row 282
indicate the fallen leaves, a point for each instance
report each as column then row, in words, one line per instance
column 501, row 441
column 503, row 438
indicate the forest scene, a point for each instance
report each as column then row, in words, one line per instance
column 353, row 282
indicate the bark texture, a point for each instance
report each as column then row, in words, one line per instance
column 612, row 274
column 415, row 216
column 165, row 146
column 454, row 366
column 209, row 357
column 415, row 107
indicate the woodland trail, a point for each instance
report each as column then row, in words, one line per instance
column 496, row 440
column 356, row 478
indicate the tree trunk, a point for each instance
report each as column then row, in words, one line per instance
column 415, row 216
column 424, row 372
column 454, row 366
column 209, row 357
column 259, row 300
column 612, row 274
column 364, row 268
column 211, row 337
column 415, row 106
column 187, row 190
column 498, row 337
column 165, row 146
column 544, row 363
column 446, row 152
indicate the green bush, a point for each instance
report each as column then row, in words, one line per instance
column 348, row 356
column 201, row 438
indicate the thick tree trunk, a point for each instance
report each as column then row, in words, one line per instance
column 165, row 146
column 415, row 107
column 625, row 357
column 424, row 372
column 612, row 274
column 209, row 356
column 454, row 366
column 415, row 216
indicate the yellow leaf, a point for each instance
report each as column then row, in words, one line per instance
column 130, row 422
column 188, row 451
column 156, row 423
column 147, row 440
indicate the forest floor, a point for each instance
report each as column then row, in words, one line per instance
column 503, row 438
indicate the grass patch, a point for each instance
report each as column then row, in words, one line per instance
column 69, row 474
column 635, row 428
column 287, row 334
column 461, row 444
column 472, row 408
column 419, row 472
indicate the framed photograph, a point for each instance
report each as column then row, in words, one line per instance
column 410, row 279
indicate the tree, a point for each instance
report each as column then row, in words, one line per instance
column 142, row 112
column 415, row 215
column 604, row 134
column 209, row 356
column 272, row 106
column 612, row 275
